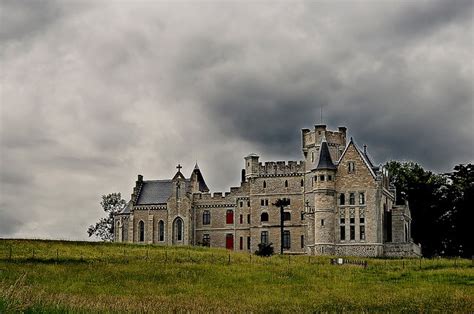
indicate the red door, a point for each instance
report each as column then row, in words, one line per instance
column 229, row 241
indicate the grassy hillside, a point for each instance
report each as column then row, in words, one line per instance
column 77, row 276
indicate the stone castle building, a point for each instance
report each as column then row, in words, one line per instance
column 340, row 203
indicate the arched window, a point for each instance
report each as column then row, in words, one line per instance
column 264, row 184
column 161, row 231
column 286, row 183
column 264, row 217
column 141, row 230
column 342, row 199
column 179, row 229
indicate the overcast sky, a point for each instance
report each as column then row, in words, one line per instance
column 94, row 93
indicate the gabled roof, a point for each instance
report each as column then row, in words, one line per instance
column 157, row 191
column 362, row 156
column 202, row 184
column 325, row 160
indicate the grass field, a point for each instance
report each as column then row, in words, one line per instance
column 57, row 276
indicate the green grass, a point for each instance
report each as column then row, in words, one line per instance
column 60, row 276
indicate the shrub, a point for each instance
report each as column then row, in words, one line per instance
column 264, row 249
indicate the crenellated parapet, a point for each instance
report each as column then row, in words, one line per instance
column 275, row 168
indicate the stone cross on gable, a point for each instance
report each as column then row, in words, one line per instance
column 179, row 167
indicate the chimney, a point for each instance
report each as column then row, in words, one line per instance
column 140, row 178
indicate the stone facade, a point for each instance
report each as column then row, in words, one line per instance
column 340, row 204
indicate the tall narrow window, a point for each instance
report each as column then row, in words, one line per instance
column 241, row 243
column 350, row 167
column 229, row 216
column 262, row 202
column 241, row 219
column 352, row 224
column 312, row 156
column 264, row 237
column 206, row 217
column 286, row 240
column 302, row 182
column 362, row 232
column 161, row 231
column 248, row 203
column 351, row 199
column 241, row 204
column 248, row 243
column 266, row 202
column 342, row 225
column 322, row 222
column 264, row 184
column 264, row 217
column 342, row 199
column 141, row 229
column 248, row 218
column 361, row 198
column 302, row 241
column 179, row 229
column 286, row 183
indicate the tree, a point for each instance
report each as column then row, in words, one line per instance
column 104, row 229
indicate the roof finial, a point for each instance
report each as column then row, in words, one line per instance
column 179, row 167
column 196, row 167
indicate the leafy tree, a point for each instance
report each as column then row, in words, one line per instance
column 104, row 229
column 265, row 249
column 439, row 206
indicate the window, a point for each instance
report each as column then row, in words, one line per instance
column 241, row 243
column 302, row 215
column 206, row 240
column 352, row 229
column 350, row 167
column 289, row 201
column 342, row 199
column 264, row 237
column 264, row 184
column 312, row 156
column 248, row 243
column 248, row 218
column 329, row 177
column 241, row 204
column 248, row 203
column 352, row 220
column 286, row 240
column 362, row 232
column 229, row 216
column 241, row 219
column 362, row 220
column 342, row 225
column 351, row 199
column 262, row 202
column 161, row 231
column 321, row 177
column 302, row 241
column 206, row 217
column 264, row 217
column 302, row 182
column 361, row 198
column 322, row 222
column 141, row 229
column 286, row 183
column 266, row 202
column 286, row 216
column 179, row 229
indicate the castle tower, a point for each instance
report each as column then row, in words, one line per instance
column 324, row 201
column 251, row 166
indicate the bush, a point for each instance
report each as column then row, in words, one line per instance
column 264, row 249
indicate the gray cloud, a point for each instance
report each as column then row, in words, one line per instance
column 93, row 93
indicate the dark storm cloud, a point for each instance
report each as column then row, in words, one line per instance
column 93, row 93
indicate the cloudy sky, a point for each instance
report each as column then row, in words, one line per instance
column 93, row 93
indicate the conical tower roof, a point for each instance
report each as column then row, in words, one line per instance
column 325, row 161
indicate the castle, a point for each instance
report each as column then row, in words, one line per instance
column 340, row 203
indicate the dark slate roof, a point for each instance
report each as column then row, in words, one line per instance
column 126, row 209
column 325, row 161
column 156, row 191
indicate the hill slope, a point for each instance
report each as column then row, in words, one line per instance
column 82, row 276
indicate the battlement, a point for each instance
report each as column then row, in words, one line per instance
column 313, row 138
column 280, row 167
